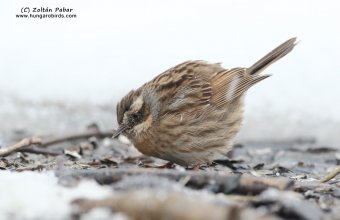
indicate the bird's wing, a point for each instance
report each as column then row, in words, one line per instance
column 185, row 87
column 193, row 85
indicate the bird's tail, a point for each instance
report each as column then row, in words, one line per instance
column 272, row 57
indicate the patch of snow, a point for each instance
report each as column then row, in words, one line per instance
column 32, row 195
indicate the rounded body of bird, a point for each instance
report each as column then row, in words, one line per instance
column 191, row 113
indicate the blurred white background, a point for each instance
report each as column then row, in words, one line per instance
column 115, row 46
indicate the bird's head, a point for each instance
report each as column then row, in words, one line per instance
column 133, row 115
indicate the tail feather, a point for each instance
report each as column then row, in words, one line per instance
column 229, row 84
column 272, row 57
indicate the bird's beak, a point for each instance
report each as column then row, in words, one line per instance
column 120, row 130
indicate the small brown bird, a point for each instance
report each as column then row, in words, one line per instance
column 190, row 113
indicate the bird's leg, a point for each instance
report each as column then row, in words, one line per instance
column 196, row 167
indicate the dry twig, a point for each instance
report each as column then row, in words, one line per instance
column 38, row 150
column 79, row 136
column 21, row 144
column 331, row 175
column 28, row 142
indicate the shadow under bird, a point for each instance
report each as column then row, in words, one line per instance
column 190, row 114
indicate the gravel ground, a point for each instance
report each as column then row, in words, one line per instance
column 101, row 178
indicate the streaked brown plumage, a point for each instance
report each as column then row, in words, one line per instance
column 190, row 114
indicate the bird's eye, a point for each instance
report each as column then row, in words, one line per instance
column 135, row 116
